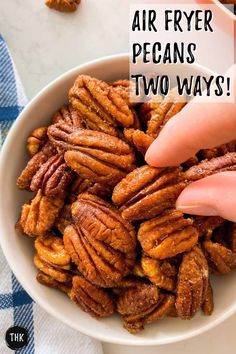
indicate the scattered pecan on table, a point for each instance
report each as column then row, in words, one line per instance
column 105, row 227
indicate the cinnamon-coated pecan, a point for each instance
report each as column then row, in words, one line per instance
column 192, row 283
column 148, row 108
column 210, row 167
column 170, row 106
column 47, row 280
column 38, row 217
column 217, row 151
column 25, row 178
column 64, row 219
column 51, row 250
column 154, row 271
column 142, row 305
column 147, row 192
column 167, row 235
column 59, row 274
column 68, row 115
column 81, row 185
column 100, row 105
column 138, row 139
column 126, row 90
column 53, row 177
column 221, row 259
column 208, row 303
column 36, row 140
column 207, row 224
column 101, row 243
column 62, row 5
column 90, row 298
column 96, row 156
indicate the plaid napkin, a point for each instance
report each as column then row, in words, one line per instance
column 45, row 333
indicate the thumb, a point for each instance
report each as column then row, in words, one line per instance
column 213, row 195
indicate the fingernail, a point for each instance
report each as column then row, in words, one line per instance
column 206, row 210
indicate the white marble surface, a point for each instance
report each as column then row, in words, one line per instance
column 44, row 44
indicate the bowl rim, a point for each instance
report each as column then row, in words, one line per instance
column 25, row 284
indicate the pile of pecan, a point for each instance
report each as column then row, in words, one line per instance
column 106, row 229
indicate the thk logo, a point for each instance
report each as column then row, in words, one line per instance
column 16, row 337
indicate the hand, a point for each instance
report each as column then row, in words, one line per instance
column 200, row 125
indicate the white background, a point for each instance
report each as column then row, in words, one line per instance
column 45, row 44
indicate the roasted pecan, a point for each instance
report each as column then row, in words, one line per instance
column 170, row 106
column 221, row 259
column 93, row 155
column 64, row 219
column 148, row 108
column 217, row 151
column 100, row 105
column 101, row 244
column 125, row 88
column 51, row 250
column 68, row 115
column 90, row 298
column 167, row 235
column 210, row 167
column 38, row 217
column 45, row 279
column 156, row 274
column 25, row 178
column 142, row 305
column 137, row 269
column 192, row 283
column 36, row 140
column 53, row 177
column 147, row 191
column 62, row 5
column 81, row 185
column 59, row 274
column 138, row 139
column 208, row 303
column 207, row 224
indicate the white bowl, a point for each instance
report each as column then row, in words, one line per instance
column 19, row 249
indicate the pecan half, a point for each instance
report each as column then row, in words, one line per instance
column 154, row 271
column 147, row 109
column 208, row 303
column 210, row 167
column 57, row 273
column 102, row 244
column 207, row 224
column 90, row 298
column 38, row 217
column 93, row 155
column 192, row 283
column 81, row 185
column 68, row 115
column 25, row 178
column 221, row 259
column 126, row 89
column 62, row 5
column 147, row 192
column 167, row 235
column 51, row 250
column 53, row 177
column 100, row 105
column 46, row 280
column 64, row 219
column 142, row 305
column 170, row 106
column 36, row 140
column 138, row 139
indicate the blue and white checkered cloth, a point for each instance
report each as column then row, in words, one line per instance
column 46, row 334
